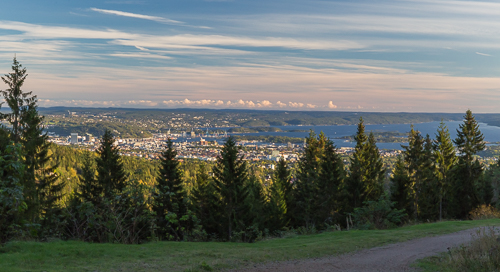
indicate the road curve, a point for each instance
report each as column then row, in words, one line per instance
column 393, row 257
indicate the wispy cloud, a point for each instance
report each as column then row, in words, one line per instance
column 483, row 54
column 138, row 16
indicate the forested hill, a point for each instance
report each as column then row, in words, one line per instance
column 252, row 118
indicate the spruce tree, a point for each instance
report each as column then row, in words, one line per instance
column 168, row 198
column 89, row 189
column 230, row 180
column 279, row 198
column 374, row 184
column 331, row 177
column 401, row 186
column 467, row 173
column 305, row 192
column 42, row 188
column 204, row 201
column 12, row 202
column 429, row 196
column 413, row 154
column 445, row 158
column 358, row 170
column 110, row 172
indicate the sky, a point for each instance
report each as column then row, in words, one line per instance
column 376, row 55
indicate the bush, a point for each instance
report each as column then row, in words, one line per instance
column 484, row 212
column 379, row 214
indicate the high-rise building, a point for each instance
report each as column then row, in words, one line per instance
column 74, row 138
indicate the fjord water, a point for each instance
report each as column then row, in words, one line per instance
column 491, row 133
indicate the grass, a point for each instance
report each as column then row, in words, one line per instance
column 209, row 256
column 482, row 254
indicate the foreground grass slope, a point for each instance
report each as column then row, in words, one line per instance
column 184, row 256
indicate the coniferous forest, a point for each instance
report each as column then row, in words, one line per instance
column 434, row 178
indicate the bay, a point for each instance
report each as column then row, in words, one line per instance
column 491, row 133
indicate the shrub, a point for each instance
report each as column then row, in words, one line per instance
column 379, row 214
column 484, row 212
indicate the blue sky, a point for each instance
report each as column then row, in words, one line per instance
column 417, row 56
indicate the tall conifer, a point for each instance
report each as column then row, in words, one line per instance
column 445, row 158
column 468, row 172
column 279, row 198
column 355, row 183
column 168, row 198
column 230, row 180
column 330, row 180
column 111, row 174
column 401, row 186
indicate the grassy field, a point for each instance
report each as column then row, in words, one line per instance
column 184, row 256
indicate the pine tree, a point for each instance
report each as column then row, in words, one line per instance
column 330, row 180
column 168, row 199
column 468, row 171
column 230, row 180
column 445, row 158
column 110, row 172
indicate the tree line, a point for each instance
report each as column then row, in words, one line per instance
column 434, row 178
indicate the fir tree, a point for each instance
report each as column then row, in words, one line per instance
column 230, row 180
column 468, row 171
column 110, row 173
column 445, row 158
column 168, row 199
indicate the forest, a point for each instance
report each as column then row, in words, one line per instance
column 48, row 191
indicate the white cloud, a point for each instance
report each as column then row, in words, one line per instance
column 264, row 103
column 483, row 54
column 295, row 105
column 281, row 105
column 331, row 105
column 311, row 106
column 138, row 16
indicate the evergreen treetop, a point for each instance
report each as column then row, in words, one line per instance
column 110, row 172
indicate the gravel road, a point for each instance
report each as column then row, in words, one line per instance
column 394, row 257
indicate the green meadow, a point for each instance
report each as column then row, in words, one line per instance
column 207, row 256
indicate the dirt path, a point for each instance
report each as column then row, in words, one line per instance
column 394, row 257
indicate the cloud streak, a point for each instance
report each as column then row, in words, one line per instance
column 137, row 16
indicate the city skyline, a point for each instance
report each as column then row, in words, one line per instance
column 413, row 56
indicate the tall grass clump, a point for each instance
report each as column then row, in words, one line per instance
column 481, row 254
